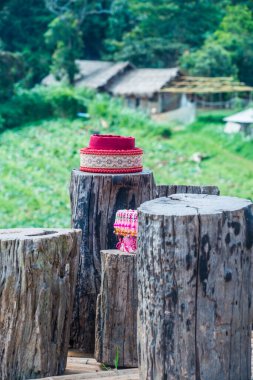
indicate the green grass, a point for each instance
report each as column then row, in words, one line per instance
column 36, row 161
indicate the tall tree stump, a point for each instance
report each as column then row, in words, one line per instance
column 194, row 288
column 95, row 199
column 38, row 269
column 116, row 317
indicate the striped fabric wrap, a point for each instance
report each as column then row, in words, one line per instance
column 111, row 154
column 126, row 228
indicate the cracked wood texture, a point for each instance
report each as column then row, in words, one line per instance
column 95, row 198
column 194, row 288
column 116, row 316
column 38, row 269
column 167, row 190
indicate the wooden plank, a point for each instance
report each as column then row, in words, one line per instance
column 124, row 374
column 82, row 365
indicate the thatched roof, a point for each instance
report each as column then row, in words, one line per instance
column 142, row 82
column 102, row 76
column 205, row 85
column 93, row 74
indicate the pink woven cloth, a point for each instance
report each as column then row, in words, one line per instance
column 126, row 228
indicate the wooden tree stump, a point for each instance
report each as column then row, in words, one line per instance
column 116, row 317
column 38, row 269
column 167, row 190
column 194, row 288
column 95, row 199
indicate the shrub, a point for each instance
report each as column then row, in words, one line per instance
column 42, row 103
column 118, row 116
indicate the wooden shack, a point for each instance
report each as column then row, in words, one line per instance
column 240, row 122
column 141, row 88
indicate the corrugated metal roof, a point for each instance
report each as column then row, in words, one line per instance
column 244, row 117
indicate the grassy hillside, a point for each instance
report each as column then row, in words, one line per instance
column 36, row 160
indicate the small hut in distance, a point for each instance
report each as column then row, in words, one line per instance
column 165, row 92
column 141, row 88
column 240, row 122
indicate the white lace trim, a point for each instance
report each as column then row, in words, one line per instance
column 110, row 162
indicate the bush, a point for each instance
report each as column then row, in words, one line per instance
column 118, row 116
column 42, row 103
column 214, row 116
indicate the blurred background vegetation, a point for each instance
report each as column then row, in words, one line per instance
column 40, row 133
column 212, row 38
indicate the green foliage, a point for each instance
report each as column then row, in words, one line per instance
column 235, row 35
column 117, row 116
column 212, row 60
column 116, row 360
column 41, row 102
column 104, row 367
column 11, row 70
column 229, row 51
column 217, row 35
column 64, row 38
column 22, row 25
column 161, row 30
column 36, row 160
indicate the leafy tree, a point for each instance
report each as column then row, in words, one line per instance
column 11, row 70
column 92, row 19
column 212, row 60
column 163, row 29
column 22, row 25
column 228, row 50
column 235, row 34
column 64, row 37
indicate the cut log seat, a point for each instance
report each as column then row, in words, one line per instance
column 38, row 269
column 194, row 288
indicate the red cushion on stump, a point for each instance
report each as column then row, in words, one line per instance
column 111, row 154
column 111, row 142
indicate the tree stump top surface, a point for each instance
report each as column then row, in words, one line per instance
column 81, row 173
column 193, row 204
column 32, row 233
column 116, row 252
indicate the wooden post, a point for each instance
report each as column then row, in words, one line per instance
column 38, row 269
column 116, row 317
column 95, row 198
column 194, row 288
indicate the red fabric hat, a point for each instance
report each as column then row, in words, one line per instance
column 111, row 154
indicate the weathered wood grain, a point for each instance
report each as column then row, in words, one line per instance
column 194, row 288
column 116, row 317
column 167, row 190
column 38, row 269
column 123, row 374
column 95, row 198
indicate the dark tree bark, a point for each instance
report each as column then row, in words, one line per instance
column 116, row 317
column 194, row 288
column 38, row 269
